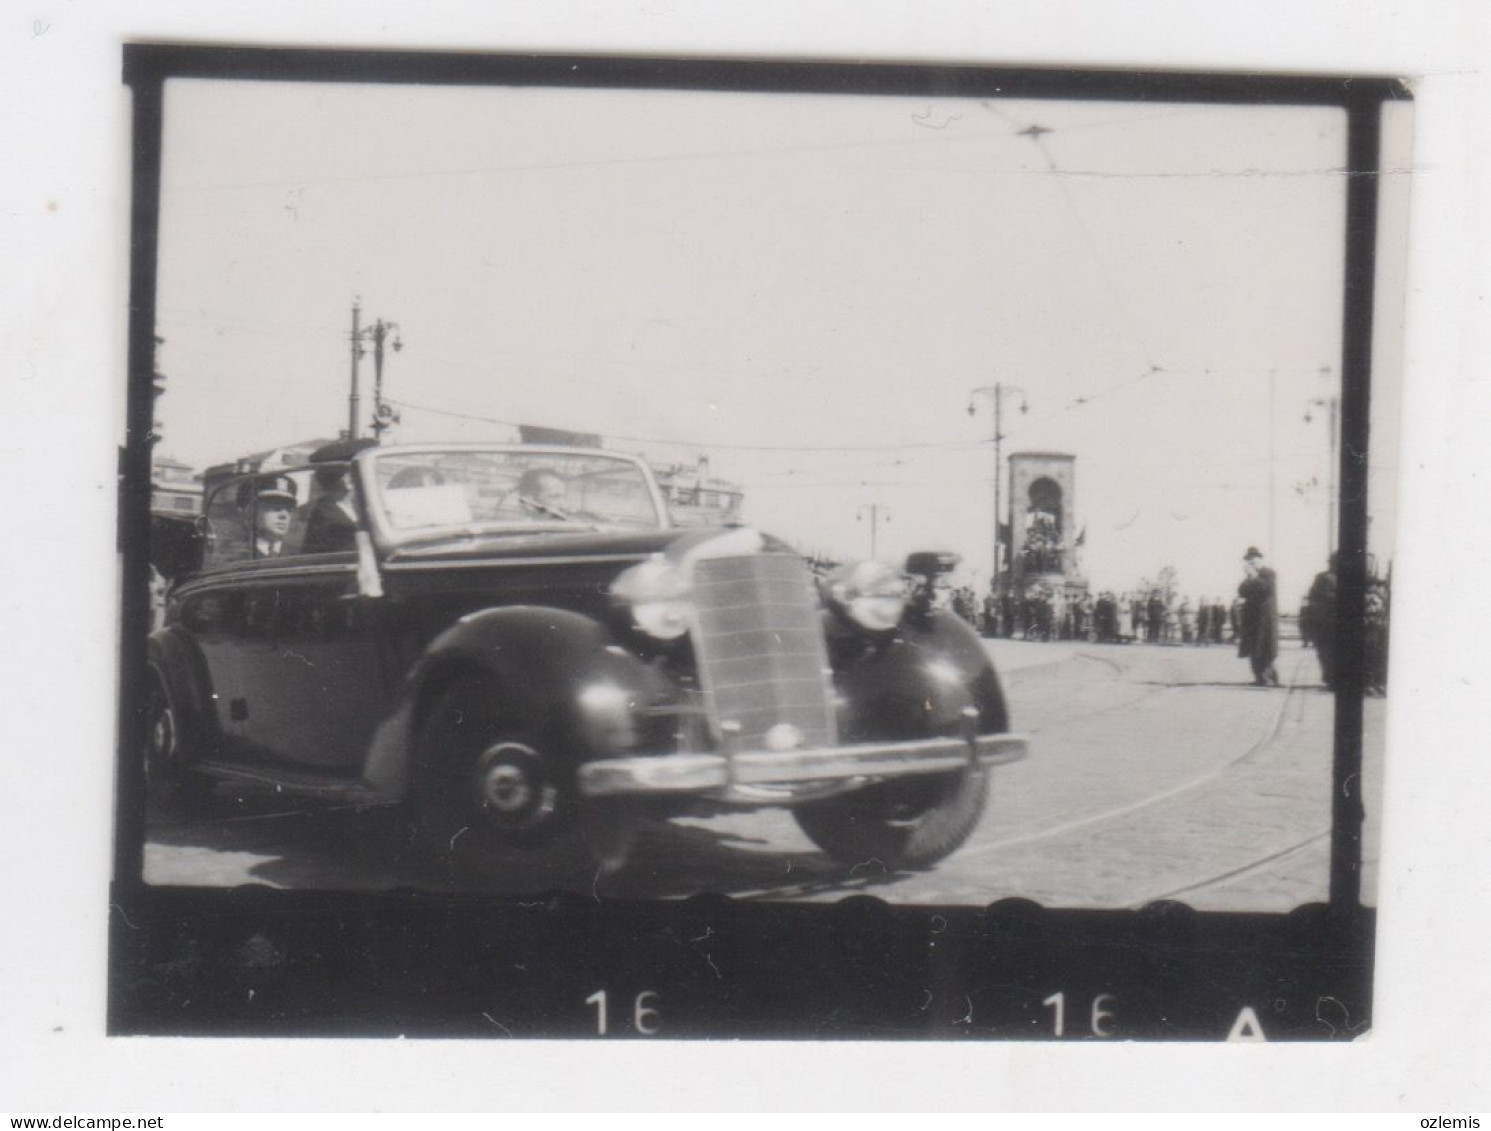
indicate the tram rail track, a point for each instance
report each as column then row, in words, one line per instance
column 1244, row 871
column 1109, row 815
column 1129, row 820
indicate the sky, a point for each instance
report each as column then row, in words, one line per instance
column 807, row 289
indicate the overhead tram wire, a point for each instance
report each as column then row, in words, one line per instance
column 1084, row 401
column 923, row 447
column 921, row 139
column 726, row 155
column 685, row 442
column 1118, row 386
column 791, row 478
column 788, row 480
column 1037, row 133
column 941, row 481
column 918, row 450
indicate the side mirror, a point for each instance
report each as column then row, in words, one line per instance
column 176, row 545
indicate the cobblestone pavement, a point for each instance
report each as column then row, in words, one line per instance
column 1155, row 772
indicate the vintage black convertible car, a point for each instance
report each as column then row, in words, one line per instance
column 513, row 646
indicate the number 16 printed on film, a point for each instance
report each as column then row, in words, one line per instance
column 646, row 1020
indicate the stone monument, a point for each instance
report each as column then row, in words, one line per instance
column 1043, row 531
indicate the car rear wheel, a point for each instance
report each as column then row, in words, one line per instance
column 170, row 785
column 491, row 800
column 912, row 823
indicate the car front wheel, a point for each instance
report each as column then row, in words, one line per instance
column 912, row 823
column 492, row 801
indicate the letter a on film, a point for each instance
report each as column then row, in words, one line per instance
column 1246, row 1027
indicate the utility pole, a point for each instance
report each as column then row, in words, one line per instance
column 356, row 353
column 384, row 415
column 378, row 333
column 1272, row 543
column 875, row 510
column 1332, row 405
column 157, row 390
column 996, row 393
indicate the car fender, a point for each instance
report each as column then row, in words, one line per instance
column 172, row 656
column 917, row 682
column 588, row 697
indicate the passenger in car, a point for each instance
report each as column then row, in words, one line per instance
column 327, row 524
column 272, row 501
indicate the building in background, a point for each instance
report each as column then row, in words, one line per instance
column 291, row 455
column 175, row 487
column 696, row 498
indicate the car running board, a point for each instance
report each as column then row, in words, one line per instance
column 352, row 791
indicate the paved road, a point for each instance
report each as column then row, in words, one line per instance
column 1156, row 772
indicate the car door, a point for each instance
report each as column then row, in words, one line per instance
column 315, row 684
column 216, row 611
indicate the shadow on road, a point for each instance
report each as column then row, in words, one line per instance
column 681, row 859
column 1225, row 684
column 344, row 849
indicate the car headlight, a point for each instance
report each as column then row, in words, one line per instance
column 872, row 594
column 658, row 592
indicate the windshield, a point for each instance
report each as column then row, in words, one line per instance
column 439, row 491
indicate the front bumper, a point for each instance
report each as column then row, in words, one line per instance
column 686, row 773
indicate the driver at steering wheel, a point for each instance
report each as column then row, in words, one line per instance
column 543, row 494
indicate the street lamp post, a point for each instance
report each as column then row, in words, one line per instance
column 384, row 415
column 877, row 511
column 356, row 339
column 996, row 394
column 1272, row 463
column 1332, row 405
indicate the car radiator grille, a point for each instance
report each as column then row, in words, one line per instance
column 760, row 648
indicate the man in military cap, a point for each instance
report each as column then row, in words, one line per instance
column 271, row 499
column 1258, row 619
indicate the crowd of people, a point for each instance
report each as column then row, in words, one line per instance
column 1157, row 615
column 1151, row 616
column 1317, row 628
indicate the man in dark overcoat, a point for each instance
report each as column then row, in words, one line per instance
column 1258, row 619
column 1320, row 617
column 328, row 524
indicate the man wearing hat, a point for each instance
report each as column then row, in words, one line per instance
column 1258, row 619
column 272, row 500
column 1320, row 620
column 328, row 525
